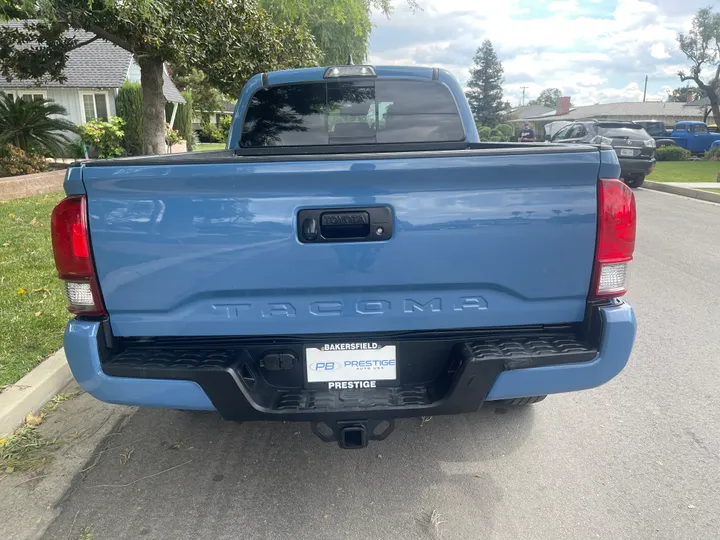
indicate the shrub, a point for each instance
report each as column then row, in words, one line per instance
column 183, row 120
column 484, row 132
column 105, row 137
column 34, row 126
column 15, row 161
column 713, row 154
column 172, row 136
column 224, row 126
column 210, row 132
column 194, row 141
column 506, row 130
column 129, row 104
column 497, row 135
column 672, row 153
column 75, row 149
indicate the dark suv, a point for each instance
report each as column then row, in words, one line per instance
column 634, row 147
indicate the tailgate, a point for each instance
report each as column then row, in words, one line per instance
column 213, row 249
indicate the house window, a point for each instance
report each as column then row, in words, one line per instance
column 26, row 95
column 95, row 105
column 31, row 96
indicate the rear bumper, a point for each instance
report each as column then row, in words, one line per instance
column 493, row 380
column 636, row 166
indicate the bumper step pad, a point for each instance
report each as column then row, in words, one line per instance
column 240, row 390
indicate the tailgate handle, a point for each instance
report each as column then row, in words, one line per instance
column 345, row 224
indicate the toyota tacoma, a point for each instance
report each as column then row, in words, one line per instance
column 354, row 256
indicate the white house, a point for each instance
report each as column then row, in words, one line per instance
column 94, row 74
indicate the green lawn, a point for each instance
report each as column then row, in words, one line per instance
column 206, row 147
column 32, row 304
column 712, row 190
column 685, row 171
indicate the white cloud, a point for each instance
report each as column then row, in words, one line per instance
column 659, row 51
column 590, row 54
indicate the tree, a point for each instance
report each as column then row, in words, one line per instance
column 681, row 94
column 547, row 98
column 485, row 94
column 34, row 125
column 227, row 40
column 206, row 98
column 702, row 47
column 341, row 28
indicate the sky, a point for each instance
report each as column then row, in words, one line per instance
column 596, row 51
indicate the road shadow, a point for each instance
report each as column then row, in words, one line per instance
column 194, row 475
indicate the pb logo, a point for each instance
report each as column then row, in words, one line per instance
column 323, row 366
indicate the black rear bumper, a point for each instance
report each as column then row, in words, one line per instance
column 438, row 372
column 636, row 166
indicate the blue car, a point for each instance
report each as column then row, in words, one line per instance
column 354, row 256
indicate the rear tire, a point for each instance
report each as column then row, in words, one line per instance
column 635, row 180
column 517, row 402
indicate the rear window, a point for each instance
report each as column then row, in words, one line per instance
column 351, row 112
column 655, row 128
column 623, row 132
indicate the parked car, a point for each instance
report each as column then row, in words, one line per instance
column 658, row 131
column 634, row 147
column 356, row 255
column 552, row 128
column 693, row 136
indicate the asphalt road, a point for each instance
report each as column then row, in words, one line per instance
column 635, row 459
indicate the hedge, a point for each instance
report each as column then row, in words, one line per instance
column 129, row 105
column 183, row 120
column 672, row 153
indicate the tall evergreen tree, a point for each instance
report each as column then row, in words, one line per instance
column 485, row 94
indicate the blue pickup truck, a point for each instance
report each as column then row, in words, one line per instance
column 354, row 256
column 693, row 136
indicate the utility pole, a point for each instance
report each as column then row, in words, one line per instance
column 645, row 91
column 523, row 98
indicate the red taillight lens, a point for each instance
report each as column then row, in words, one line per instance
column 615, row 239
column 71, row 249
column 70, row 239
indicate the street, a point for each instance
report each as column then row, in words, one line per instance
column 638, row 458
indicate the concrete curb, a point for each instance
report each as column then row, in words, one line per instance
column 33, row 391
column 685, row 192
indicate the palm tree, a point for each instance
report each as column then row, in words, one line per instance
column 34, row 125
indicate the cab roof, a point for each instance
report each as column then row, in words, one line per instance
column 317, row 74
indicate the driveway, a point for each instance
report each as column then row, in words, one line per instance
column 638, row 458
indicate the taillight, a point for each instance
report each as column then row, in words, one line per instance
column 71, row 248
column 615, row 239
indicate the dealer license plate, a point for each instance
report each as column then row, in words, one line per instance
column 629, row 152
column 348, row 362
